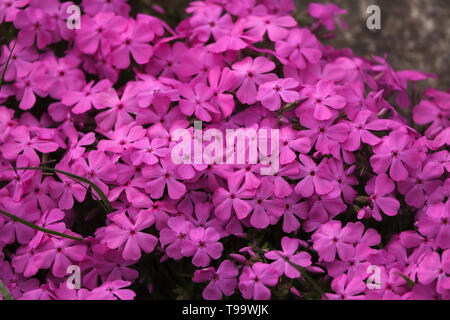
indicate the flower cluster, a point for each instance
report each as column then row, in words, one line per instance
column 361, row 193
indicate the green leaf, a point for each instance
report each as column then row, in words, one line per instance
column 4, row 292
column 36, row 227
column 6, row 65
column 408, row 280
column 107, row 205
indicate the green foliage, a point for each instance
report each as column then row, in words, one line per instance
column 4, row 292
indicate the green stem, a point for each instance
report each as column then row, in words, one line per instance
column 33, row 226
column 105, row 200
column 6, row 65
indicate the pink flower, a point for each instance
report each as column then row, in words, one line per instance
column 234, row 39
column 122, row 139
column 294, row 210
column 125, row 232
column 93, row 7
column 267, row 208
column 21, row 60
column 327, row 138
column 435, row 223
column 421, row 182
column 426, row 112
column 254, row 280
column 120, row 108
column 16, row 284
column 59, row 254
column 99, row 32
column 250, row 74
column 197, row 101
column 347, row 288
column 277, row 27
column 210, row 21
column 394, row 151
column 34, row 24
column 360, row 132
column 97, row 169
column 162, row 175
column 133, row 40
column 27, row 87
column 432, row 267
column 112, row 290
column 270, row 93
column 301, row 48
column 331, row 238
column 290, row 142
column 234, row 198
column 10, row 8
column 221, row 81
column 82, row 101
column 11, row 231
column 203, row 246
column 287, row 256
column 221, row 282
column 313, row 178
column 378, row 188
column 326, row 13
column 176, row 235
column 322, row 99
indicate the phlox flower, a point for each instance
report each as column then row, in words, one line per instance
column 326, row 14
column 161, row 176
column 287, row 256
column 434, row 267
column 125, row 232
column 255, row 279
column 252, row 73
column 379, row 188
column 394, row 152
column 347, row 288
column 176, row 235
column 196, row 101
column 313, row 178
column 93, row 7
column 34, row 23
column 277, row 27
column 271, row 93
column 203, row 245
column 221, row 282
column 300, row 48
column 112, row 290
column 58, row 254
column 135, row 40
column 83, row 101
column 331, row 238
column 21, row 60
column 420, row 182
column 322, row 99
column 267, row 208
column 435, row 223
column 235, row 198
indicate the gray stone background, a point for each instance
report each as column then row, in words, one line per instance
column 414, row 33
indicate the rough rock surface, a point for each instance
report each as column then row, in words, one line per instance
column 414, row 33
